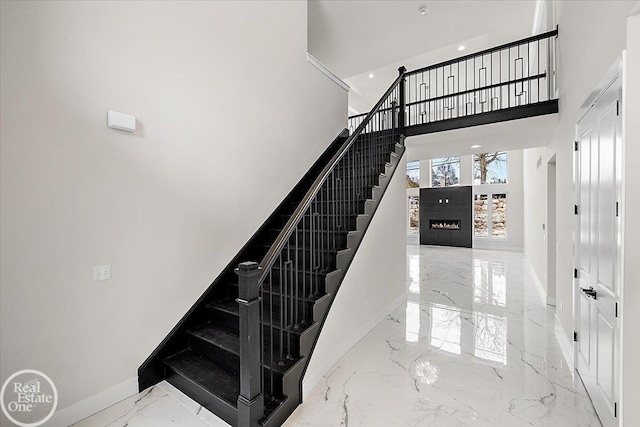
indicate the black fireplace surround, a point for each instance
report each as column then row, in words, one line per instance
column 446, row 216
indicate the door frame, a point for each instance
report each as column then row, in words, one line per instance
column 615, row 74
column 551, row 229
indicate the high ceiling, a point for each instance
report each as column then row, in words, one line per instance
column 352, row 37
column 356, row 38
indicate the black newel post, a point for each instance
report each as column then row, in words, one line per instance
column 403, row 102
column 251, row 399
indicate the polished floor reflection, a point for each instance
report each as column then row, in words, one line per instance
column 472, row 346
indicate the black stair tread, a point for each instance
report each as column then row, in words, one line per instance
column 229, row 340
column 329, row 214
column 308, row 230
column 292, row 248
column 230, row 306
column 321, row 273
column 276, row 292
column 218, row 335
column 206, row 374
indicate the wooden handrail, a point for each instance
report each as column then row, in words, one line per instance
column 275, row 249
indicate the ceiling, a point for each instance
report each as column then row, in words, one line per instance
column 510, row 135
column 356, row 38
column 352, row 37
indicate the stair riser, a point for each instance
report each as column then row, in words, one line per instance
column 210, row 401
column 347, row 194
column 307, row 283
column 330, row 239
column 224, row 358
column 231, row 362
column 306, row 258
column 329, row 222
column 290, row 340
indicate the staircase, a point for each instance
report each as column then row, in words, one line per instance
column 242, row 349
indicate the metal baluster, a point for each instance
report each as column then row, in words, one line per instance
column 508, row 79
column 296, row 322
column 538, row 68
column 281, row 281
column 271, row 337
column 304, row 266
column 528, row 74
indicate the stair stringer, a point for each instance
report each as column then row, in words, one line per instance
column 292, row 379
column 152, row 370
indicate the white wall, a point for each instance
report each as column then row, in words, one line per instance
column 591, row 35
column 535, row 211
column 630, row 313
column 374, row 285
column 230, row 117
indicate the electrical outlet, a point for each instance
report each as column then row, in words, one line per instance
column 101, row 272
column 561, row 306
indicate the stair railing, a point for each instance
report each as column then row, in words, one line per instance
column 294, row 266
column 515, row 74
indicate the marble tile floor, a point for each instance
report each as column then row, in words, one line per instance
column 472, row 346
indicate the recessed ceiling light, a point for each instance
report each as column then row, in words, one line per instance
column 423, row 10
column 371, row 75
column 461, row 48
column 476, row 146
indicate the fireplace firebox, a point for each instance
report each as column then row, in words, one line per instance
column 444, row 224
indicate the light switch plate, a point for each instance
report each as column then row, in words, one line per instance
column 101, row 272
column 121, row 121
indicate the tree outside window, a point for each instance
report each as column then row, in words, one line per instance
column 490, row 168
column 413, row 174
column 445, row 171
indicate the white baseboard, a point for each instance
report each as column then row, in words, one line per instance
column 311, row 379
column 536, row 280
column 96, row 403
column 551, row 301
column 565, row 345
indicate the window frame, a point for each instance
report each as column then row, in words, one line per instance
column 473, row 169
column 459, row 162
column 482, row 189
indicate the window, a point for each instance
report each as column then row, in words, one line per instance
column 414, row 215
column 490, row 215
column 490, row 168
column 445, row 171
column 480, row 215
column 413, row 174
column 499, row 215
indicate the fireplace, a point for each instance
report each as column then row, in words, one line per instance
column 446, row 216
column 444, row 224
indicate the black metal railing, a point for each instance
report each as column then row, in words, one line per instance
column 511, row 75
column 291, row 275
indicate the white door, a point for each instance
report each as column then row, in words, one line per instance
column 598, row 233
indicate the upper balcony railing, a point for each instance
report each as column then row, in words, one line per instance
column 515, row 74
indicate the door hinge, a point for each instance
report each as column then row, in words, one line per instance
column 575, row 273
column 617, row 107
column 615, row 409
column 616, row 309
column 575, row 147
column 575, row 209
column 617, row 211
column 575, row 336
